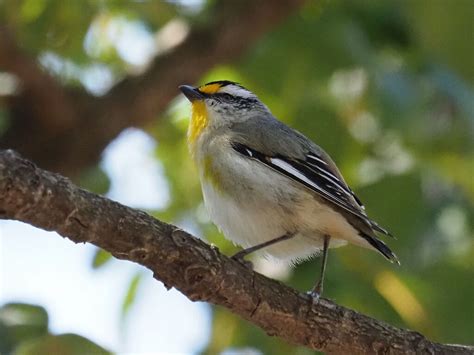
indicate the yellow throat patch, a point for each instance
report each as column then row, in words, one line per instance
column 199, row 121
column 199, row 117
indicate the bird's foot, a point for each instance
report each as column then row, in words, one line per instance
column 316, row 292
column 240, row 258
column 315, row 296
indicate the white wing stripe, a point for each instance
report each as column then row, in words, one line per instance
column 332, row 178
column 298, row 175
column 317, row 159
column 329, row 175
column 285, row 168
column 289, row 169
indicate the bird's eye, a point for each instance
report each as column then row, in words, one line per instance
column 227, row 96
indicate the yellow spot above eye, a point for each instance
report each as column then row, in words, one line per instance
column 199, row 120
column 210, row 89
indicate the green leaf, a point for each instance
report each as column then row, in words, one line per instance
column 20, row 322
column 131, row 294
column 64, row 344
column 95, row 180
column 101, row 257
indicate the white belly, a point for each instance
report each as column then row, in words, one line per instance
column 251, row 224
column 258, row 204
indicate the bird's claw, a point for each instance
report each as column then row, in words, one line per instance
column 241, row 260
column 315, row 296
column 316, row 292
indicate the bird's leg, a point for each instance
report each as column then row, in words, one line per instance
column 241, row 254
column 317, row 290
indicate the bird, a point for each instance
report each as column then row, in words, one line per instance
column 268, row 187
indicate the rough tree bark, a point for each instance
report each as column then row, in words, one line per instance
column 66, row 130
column 50, row 201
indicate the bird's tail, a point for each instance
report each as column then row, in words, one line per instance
column 381, row 247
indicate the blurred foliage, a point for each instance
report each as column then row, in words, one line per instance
column 386, row 87
column 95, row 179
column 131, row 293
column 65, row 344
column 101, row 257
column 395, row 109
column 24, row 331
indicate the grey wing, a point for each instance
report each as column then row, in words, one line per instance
column 291, row 153
column 295, row 156
column 324, row 171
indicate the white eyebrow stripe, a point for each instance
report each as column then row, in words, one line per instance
column 235, row 90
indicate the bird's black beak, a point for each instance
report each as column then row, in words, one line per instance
column 191, row 93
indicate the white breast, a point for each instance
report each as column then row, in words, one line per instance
column 257, row 204
column 266, row 210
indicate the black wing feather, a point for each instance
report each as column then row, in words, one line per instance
column 321, row 166
column 314, row 174
column 329, row 187
column 318, row 178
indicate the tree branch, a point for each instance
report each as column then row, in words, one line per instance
column 50, row 201
column 66, row 131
